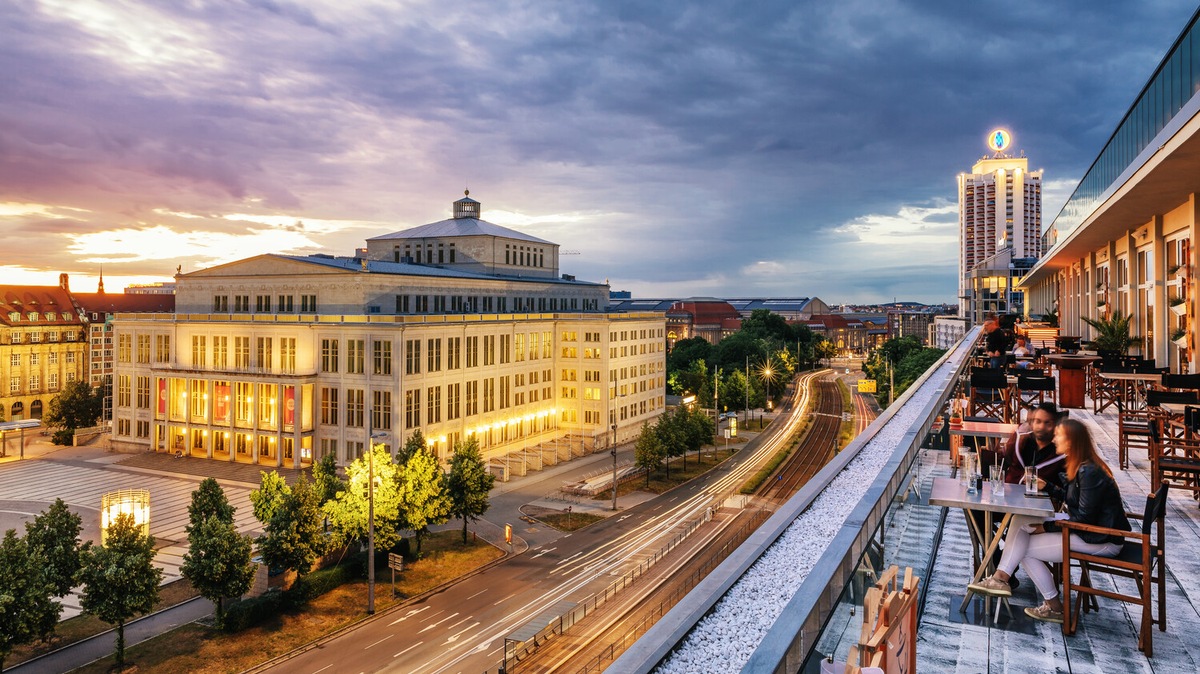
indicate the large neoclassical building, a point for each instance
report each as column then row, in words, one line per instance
column 457, row 328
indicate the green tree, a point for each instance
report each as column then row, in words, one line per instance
column 648, row 452
column 468, row 483
column 270, row 493
column 698, row 429
column 1112, row 334
column 326, row 482
column 347, row 512
column 687, row 351
column 26, row 606
column 734, row 390
column 208, row 501
column 77, row 406
column 119, row 578
column 766, row 324
column 415, row 443
column 293, row 537
column 825, row 349
column 217, row 562
column 423, row 498
column 672, row 439
column 55, row 535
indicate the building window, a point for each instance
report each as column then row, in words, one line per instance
column 453, row 394
column 52, row 381
column 381, row 409
column 220, row 352
column 220, row 304
column 354, row 408
column 241, row 304
column 472, row 351
column 489, row 395
column 285, row 305
column 162, row 348
column 124, row 391
column 262, row 304
column 329, row 355
column 355, row 356
column 472, row 398
column 412, row 408
column 14, row 360
column 263, row 356
column 143, row 392
column 329, row 406
column 434, row 409
column 143, row 348
column 199, row 351
column 489, row 350
column 412, row 356
column 453, row 353
column 383, row 357
column 124, row 347
column 287, row 354
column 435, row 356
column 308, row 304
column 241, row 352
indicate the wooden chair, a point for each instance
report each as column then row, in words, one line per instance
column 1133, row 425
column 989, row 395
column 1174, row 455
column 1107, row 393
column 1181, row 382
column 1033, row 391
column 1142, row 558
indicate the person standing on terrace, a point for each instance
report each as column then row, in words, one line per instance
column 1091, row 496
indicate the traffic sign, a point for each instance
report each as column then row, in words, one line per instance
column 395, row 561
column 866, row 385
column 845, row 416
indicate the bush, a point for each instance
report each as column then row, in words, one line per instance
column 317, row 583
column 63, row 437
column 402, row 548
column 251, row 612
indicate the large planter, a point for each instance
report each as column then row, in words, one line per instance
column 1181, row 342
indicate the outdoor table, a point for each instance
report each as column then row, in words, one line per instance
column 984, row 429
column 1133, row 383
column 1070, row 377
column 952, row 493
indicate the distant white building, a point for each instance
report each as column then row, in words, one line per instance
column 946, row 330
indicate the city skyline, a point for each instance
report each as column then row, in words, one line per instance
column 723, row 150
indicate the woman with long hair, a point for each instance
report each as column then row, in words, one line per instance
column 1091, row 496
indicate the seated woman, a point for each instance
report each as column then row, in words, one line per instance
column 1091, row 497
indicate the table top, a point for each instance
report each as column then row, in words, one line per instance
column 952, row 493
column 1132, row 376
column 1177, row 408
column 1071, row 361
column 985, row 429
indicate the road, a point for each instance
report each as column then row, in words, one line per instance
column 462, row 628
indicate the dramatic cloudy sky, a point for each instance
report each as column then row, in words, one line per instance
column 706, row 148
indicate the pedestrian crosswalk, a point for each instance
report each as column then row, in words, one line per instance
column 30, row 487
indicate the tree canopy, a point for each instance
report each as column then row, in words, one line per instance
column 468, row 483
column 423, row 498
column 648, row 451
column 78, row 405
column 293, row 537
column 55, row 534
column 119, row 578
column 270, row 493
column 217, row 562
column 347, row 512
column 208, row 501
column 26, row 607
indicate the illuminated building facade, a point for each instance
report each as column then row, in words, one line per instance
column 1125, row 242
column 1000, row 224
column 42, row 347
column 277, row 359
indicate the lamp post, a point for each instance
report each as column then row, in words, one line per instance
column 379, row 435
column 614, row 455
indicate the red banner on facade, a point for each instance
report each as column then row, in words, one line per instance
column 162, row 395
column 221, row 406
column 289, row 405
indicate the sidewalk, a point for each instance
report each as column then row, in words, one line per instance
column 89, row 650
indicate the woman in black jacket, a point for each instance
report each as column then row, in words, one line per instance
column 1091, row 496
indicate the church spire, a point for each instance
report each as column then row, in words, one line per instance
column 100, row 288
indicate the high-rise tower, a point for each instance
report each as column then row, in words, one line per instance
column 1000, row 229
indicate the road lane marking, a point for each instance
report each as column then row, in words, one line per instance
column 323, row 668
column 455, row 637
column 438, row 623
column 379, row 642
column 477, row 593
column 506, row 599
column 408, row 649
column 410, row 614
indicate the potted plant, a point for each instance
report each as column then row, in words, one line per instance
column 1177, row 270
column 1100, row 303
column 1112, row 333
column 1178, row 306
column 1179, row 337
column 956, row 414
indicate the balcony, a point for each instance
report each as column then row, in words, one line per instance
column 823, row 556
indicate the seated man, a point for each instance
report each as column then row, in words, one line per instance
column 1022, row 350
column 1032, row 444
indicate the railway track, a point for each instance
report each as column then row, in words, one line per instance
column 817, row 446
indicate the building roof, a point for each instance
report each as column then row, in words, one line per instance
column 119, row 302
column 772, row 304
column 51, row 303
column 459, row 227
column 406, row 269
column 640, row 305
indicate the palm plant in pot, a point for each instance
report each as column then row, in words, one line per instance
column 1112, row 333
column 1178, row 306
column 1179, row 337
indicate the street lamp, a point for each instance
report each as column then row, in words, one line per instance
column 378, row 435
column 614, row 455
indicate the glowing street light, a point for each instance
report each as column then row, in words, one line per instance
column 133, row 502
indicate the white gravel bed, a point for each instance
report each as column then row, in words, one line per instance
column 725, row 638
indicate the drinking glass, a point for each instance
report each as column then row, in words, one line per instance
column 996, row 476
column 1031, row 480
